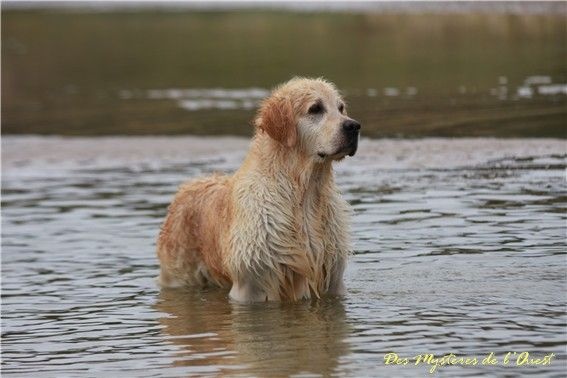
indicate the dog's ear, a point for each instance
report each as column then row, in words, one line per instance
column 277, row 118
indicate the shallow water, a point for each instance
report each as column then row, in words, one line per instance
column 459, row 248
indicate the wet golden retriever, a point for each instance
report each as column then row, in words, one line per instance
column 278, row 229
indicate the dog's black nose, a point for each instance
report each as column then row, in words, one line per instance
column 350, row 125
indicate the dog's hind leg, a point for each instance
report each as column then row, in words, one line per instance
column 165, row 280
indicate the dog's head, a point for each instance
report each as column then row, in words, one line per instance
column 309, row 114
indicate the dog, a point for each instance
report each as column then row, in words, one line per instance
column 278, row 228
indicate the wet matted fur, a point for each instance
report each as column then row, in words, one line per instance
column 278, row 229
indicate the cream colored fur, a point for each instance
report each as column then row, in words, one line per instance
column 278, row 229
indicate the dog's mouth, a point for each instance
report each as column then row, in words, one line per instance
column 349, row 150
column 353, row 147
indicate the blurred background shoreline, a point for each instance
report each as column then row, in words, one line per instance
column 508, row 7
column 407, row 69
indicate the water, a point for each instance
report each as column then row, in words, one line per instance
column 459, row 248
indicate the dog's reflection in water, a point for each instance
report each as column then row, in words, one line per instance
column 217, row 336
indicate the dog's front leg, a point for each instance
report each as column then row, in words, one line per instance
column 336, row 283
column 337, row 243
column 248, row 291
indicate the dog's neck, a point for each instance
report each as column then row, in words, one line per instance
column 278, row 161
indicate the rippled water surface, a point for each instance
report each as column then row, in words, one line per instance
column 459, row 248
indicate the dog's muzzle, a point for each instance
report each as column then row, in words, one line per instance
column 351, row 131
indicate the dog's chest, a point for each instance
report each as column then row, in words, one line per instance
column 311, row 221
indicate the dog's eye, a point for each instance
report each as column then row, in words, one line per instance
column 316, row 108
column 341, row 108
